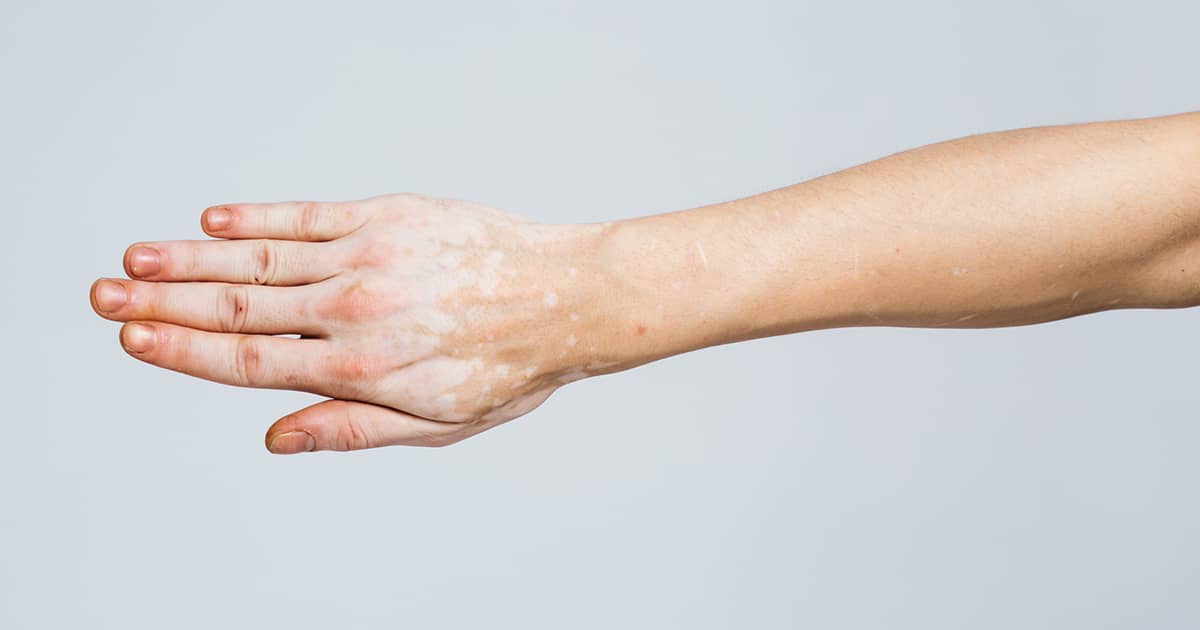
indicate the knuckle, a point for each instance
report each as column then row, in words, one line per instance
column 233, row 308
column 351, row 435
column 359, row 303
column 354, row 373
column 266, row 262
column 376, row 252
column 308, row 221
column 248, row 361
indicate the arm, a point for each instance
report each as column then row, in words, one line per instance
column 993, row 230
column 428, row 320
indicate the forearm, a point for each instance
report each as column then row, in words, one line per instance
column 994, row 230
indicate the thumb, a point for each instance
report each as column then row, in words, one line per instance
column 343, row 425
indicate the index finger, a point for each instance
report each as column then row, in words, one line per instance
column 289, row 220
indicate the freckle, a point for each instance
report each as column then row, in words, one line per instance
column 571, row 341
column 551, row 298
column 574, row 317
column 897, row 250
column 641, row 330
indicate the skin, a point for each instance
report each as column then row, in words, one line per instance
column 426, row 320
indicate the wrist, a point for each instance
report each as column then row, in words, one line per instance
column 601, row 311
column 673, row 283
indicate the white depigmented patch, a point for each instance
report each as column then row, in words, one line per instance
column 968, row 317
column 703, row 256
column 1074, row 296
column 444, row 404
column 438, row 377
column 778, row 215
column 529, row 371
column 571, row 341
column 489, row 276
column 433, row 319
column 551, row 298
column 959, row 271
column 571, row 271
column 676, row 284
column 574, row 317
column 501, row 370
column 450, row 259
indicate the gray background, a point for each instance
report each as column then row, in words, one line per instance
column 1041, row 477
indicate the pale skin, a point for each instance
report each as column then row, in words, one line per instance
column 425, row 320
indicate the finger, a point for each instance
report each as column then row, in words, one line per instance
column 291, row 220
column 342, row 425
column 236, row 308
column 283, row 263
column 245, row 360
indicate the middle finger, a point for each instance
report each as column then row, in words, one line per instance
column 213, row 306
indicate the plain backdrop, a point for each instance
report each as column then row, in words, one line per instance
column 1040, row 477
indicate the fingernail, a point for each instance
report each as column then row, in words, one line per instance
column 144, row 261
column 217, row 219
column 110, row 296
column 137, row 338
column 292, row 442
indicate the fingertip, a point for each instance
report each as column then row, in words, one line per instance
column 108, row 296
column 138, row 337
column 291, row 442
column 92, row 294
column 142, row 260
column 216, row 220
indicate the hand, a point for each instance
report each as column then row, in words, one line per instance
column 425, row 320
